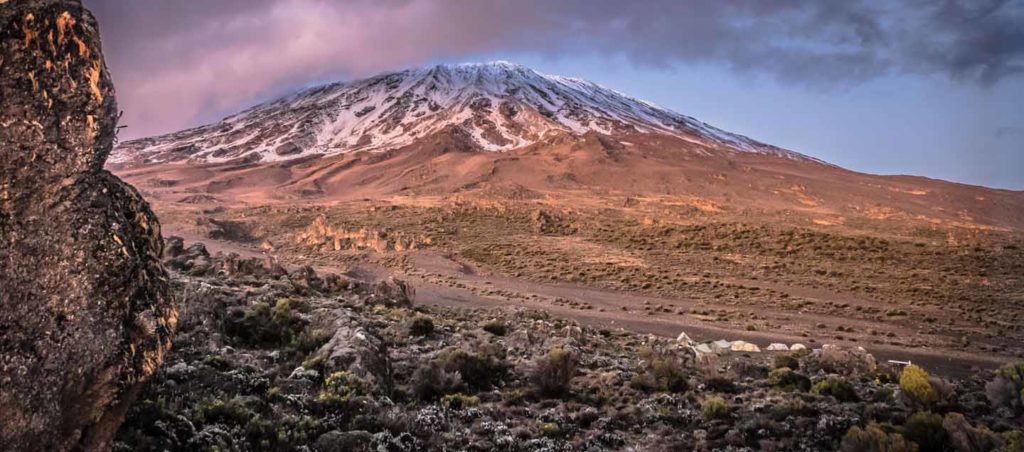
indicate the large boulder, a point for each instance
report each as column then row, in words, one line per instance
column 355, row 350
column 85, row 312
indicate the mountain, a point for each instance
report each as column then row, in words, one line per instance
column 501, row 106
column 498, row 130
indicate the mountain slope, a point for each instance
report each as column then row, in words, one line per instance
column 501, row 106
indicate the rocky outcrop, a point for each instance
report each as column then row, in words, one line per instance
column 322, row 236
column 355, row 350
column 85, row 314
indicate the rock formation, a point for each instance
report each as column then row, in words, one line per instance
column 85, row 312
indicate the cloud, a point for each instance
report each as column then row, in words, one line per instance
column 179, row 62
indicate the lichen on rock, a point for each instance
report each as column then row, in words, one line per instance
column 85, row 312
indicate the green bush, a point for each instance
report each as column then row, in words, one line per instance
column 785, row 379
column 459, row 401
column 262, row 325
column 965, row 437
column 217, row 362
column 551, row 430
column 1013, row 441
column 421, row 325
column 282, row 313
column 663, row 373
column 669, row 375
column 496, row 327
column 308, row 341
column 714, row 407
column 1006, row 390
column 232, row 412
column 721, row 384
column 553, row 373
column 342, row 386
column 431, row 381
column 925, row 429
column 874, row 439
column 836, row 387
column 914, row 383
column 299, row 429
column 883, row 395
column 786, row 360
column 479, row 371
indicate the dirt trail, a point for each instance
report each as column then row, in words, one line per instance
column 480, row 290
column 946, row 362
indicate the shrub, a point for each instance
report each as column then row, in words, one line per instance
column 342, row 386
column 714, row 407
column 1013, row 441
column 750, row 369
column 459, row 401
column 299, row 429
column 785, row 379
column 883, row 395
column 836, row 387
column 965, row 437
column 232, row 412
column 663, row 373
column 668, row 374
column 914, row 383
column 282, row 312
column 786, row 360
column 721, row 384
column 553, row 373
column 513, row 397
column 1006, row 390
column 496, row 327
column 478, row 370
column 421, row 325
column 308, row 341
column 791, row 407
column 873, row 438
column 925, row 429
column 217, row 362
column 431, row 381
column 551, row 430
column 263, row 325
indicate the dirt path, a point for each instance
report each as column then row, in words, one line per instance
column 475, row 289
column 608, row 313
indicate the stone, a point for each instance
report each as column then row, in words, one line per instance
column 301, row 373
column 85, row 308
column 797, row 346
column 355, row 350
column 394, row 292
column 777, row 347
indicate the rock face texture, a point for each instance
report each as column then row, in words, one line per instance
column 85, row 312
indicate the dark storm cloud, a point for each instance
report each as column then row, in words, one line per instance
column 175, row 61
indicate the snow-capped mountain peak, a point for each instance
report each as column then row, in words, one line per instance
column 501, row 106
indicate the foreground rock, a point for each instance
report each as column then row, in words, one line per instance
column 85, row 315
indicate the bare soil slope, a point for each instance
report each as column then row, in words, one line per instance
column 606, row 230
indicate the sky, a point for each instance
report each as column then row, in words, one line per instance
column 925, row 87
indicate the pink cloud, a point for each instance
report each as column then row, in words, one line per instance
column 179, row 63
